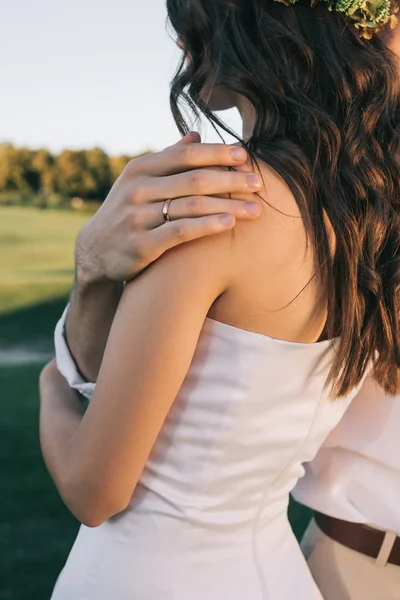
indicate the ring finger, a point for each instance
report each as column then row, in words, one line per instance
column 198, row 206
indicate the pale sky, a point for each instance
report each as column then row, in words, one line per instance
column 79, row 73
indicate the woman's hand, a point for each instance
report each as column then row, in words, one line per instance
column 129, row 231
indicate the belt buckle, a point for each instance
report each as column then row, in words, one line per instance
column 387, row 546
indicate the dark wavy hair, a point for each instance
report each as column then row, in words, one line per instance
column 327, row 109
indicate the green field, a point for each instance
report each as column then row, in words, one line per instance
column 36, row 254
column 36, row 530
column 36, row 271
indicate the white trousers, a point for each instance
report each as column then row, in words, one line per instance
column 343, row 574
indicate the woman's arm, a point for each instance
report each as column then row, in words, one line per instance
column 150, row 348
column 61, row 412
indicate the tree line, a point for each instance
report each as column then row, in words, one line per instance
column 41, row 177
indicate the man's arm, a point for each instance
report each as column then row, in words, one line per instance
column 128, row 233
column 66, row 363
column 88, row 322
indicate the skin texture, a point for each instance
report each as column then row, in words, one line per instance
column 96, row 458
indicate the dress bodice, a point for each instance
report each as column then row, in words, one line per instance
column 251, row 410
column 208, row 518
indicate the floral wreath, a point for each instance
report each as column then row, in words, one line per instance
column 369, row 16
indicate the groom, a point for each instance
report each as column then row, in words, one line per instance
column 353, row 485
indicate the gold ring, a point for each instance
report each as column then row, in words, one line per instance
column 165, row 209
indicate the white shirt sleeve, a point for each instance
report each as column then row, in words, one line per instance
column 65, row 362
column 356, row 474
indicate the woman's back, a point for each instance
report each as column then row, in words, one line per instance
column 276, row 286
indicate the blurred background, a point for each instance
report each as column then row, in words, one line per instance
column 85, row 87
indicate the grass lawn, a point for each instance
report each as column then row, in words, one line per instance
column 36, row 271
column 36, row 254
column 36, row 530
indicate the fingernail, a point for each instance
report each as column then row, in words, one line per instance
column 253, row 182
column 238, row 154
column 252, row 208
column 195, row 136
column 227, row 220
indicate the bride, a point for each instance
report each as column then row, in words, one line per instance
column 232, row 357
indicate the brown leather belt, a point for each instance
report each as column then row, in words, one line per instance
column 356, row 536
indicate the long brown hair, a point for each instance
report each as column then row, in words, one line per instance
column 328, row 121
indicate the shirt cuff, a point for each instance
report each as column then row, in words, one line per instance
column 65, row 362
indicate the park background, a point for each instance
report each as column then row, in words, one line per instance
column 85, row 88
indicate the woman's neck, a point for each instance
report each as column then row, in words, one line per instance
column 248, row 114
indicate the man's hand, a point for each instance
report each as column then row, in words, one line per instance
column 129, row 232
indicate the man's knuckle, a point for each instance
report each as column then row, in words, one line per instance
column 194, row 204
column 198, row 180
column 136, row 166
column 134, row 218
column 139, row 250
column 185, row 154
column 179, row 231
column 137, row 193
column 131, row 167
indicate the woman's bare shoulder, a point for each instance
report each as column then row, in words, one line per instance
column 279, row 233
column 276, row 289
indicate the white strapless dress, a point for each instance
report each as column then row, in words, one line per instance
column 208, row 519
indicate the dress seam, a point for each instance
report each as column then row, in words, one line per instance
column 267, row 491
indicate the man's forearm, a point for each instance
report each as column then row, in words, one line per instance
column 90, row 316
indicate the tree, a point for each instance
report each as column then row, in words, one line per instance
column 87, row 174
column 70, row 173
column 43, row 162
column 14, row 164
column 99, row 176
